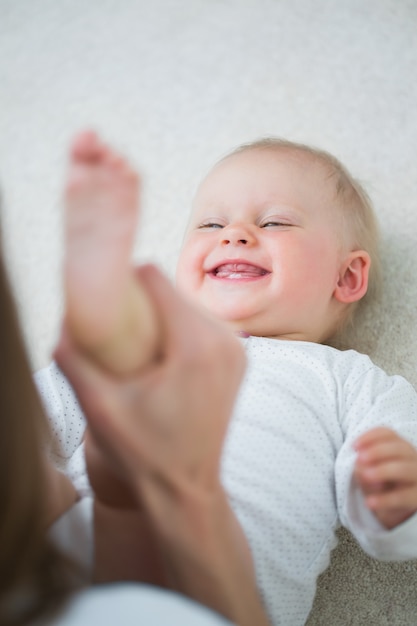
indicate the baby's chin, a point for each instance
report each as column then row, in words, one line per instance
column 243, row 326
column 259, row 327
column 238, row 316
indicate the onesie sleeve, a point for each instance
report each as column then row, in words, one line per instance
column 374, row 399
column 399, row 543
column 67, row 424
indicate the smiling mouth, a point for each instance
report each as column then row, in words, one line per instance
column 238, row 271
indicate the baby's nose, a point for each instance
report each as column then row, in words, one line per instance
column 237, row 235
column 227, row 240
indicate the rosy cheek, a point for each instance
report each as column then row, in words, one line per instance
column 319, row 267
column 188, row 271
column 181, row 274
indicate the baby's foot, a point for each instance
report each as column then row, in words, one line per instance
column 101, row 201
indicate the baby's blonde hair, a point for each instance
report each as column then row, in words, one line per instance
column 359, row 226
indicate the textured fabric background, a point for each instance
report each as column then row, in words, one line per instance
column 175, row 85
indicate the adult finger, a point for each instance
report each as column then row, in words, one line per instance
column 110, row 405
column 92, row 386
column 186, row 329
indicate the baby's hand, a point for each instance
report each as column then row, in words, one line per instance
column 386, row 471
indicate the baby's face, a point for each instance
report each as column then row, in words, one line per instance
column 261, row 251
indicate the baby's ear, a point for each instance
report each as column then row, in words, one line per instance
column 353, row 277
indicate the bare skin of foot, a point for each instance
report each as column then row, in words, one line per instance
column 107, row 312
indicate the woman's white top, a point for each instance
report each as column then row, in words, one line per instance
column 130, row 604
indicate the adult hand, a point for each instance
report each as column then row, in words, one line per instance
column 163, row 430
column 169, row 421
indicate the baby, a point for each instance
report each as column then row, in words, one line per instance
column 281, row 246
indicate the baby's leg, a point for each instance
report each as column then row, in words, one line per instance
column 107, row 313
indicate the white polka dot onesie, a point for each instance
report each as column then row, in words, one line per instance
column 288, row 460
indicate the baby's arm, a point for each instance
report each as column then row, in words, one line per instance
column 107, row 312
column 386, row 471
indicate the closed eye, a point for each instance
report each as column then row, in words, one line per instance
column 209, row 225
column 275, row 224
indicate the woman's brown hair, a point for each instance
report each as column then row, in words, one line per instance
column 34, row 577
